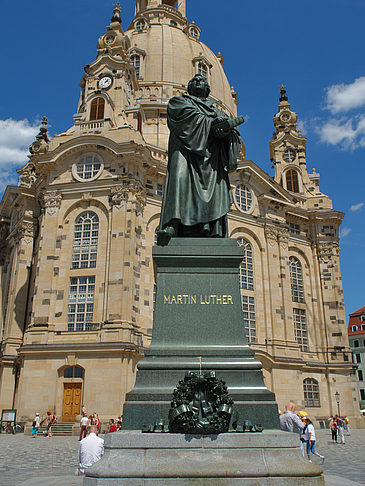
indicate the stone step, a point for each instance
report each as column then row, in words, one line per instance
column 59, row 429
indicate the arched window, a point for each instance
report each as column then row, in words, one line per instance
column 296, row 280
column 97, row 109
column 85, row 240
column 73, row 372
column 354, row 328
column 292, row 182
column 136, row 62
column 311, row 393
column 246, row 267
column 203, row 70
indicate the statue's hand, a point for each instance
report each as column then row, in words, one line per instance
column 219, row 119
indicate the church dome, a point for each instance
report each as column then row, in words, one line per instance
column 170, row 53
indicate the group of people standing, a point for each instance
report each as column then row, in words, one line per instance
column 337, row 426
column 88, row 421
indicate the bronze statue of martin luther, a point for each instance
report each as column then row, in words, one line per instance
column 203, row 149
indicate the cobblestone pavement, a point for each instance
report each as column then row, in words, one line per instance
column 23, row 458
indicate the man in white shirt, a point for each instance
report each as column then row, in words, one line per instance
column 91, row 448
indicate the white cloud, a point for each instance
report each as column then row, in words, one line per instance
column 348, row 133
column 15, row 137
column 357, row 207
column 345, row 97
column 345, row 232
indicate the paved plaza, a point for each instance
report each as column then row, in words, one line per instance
column 46, row 462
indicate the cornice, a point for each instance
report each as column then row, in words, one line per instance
column 107, row 347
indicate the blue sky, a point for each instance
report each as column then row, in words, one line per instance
column 316, row 48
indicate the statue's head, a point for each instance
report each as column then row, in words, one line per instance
column 199, row 87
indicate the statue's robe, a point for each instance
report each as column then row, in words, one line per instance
column 197, row 189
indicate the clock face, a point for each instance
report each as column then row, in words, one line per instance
column 105, row 82
column 285, row 117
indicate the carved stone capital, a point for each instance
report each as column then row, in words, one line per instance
column 25, row 231
column 129, row 191
column 328, row 250
column 51, row 201
column 118, row 196
column 271, row 235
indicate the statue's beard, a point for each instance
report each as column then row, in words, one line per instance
column 200, row 91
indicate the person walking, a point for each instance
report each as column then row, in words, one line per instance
column 334, row 429
column 83, row 427
column 347, row 423
column 52, row 419
column 35, row 425
column 311, row 440
column 340, row 425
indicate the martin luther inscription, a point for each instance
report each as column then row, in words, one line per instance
column 188, row 299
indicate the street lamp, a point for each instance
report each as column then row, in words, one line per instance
column 337, row 396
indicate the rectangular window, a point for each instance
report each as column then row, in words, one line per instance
column 294, row 228
column 356, row 343
column 149, row 184
column 300, row 328
column 249, row 320
column 362, row 394
column 357, row 358
column 360, row 375
column 159, row 190
column 81, row 303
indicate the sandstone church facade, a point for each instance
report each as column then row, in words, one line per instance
column 76, row 237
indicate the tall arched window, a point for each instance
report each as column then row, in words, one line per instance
column 311, row 393
column 97, row 109
column 85, row 240
column 136, row 62
column 246, row 267
column 292, row 182
column 296, row 280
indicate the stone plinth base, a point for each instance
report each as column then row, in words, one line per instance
column 269, row 458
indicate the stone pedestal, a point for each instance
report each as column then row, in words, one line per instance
column 198, row 325
column 271, row 458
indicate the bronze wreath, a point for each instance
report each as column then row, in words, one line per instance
column 201, row 404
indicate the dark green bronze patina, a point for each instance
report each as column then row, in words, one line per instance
column 203, row 148
column 198, row 326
